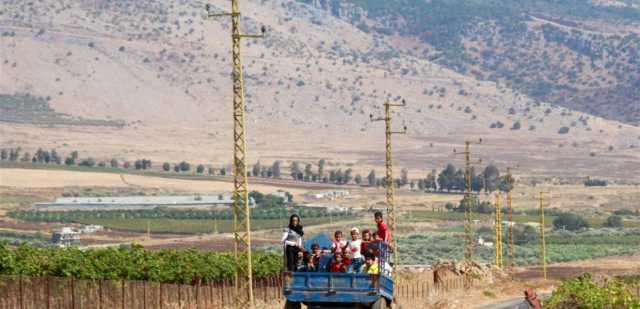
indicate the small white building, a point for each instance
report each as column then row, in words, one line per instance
column 92, row 228
column 330, row 195
column 65, row 237
column 484, row 243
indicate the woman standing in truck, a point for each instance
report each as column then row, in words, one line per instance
column 292, row 241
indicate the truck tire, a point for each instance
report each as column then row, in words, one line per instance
column 292, row 305
column 381, row 303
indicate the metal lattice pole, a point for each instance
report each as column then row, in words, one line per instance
column 543, row 249
column 468, row 230
column 243, row 287
column 510, row 242
column 498, row 231
column 391, row 215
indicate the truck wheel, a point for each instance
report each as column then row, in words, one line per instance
column 381, row 303
column 292, row 305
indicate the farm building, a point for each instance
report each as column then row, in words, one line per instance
column 139, row 202
column 65, row 237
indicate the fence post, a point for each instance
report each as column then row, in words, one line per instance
column 73, row 293
column 21, row 298
column 179, row 296
column 161, row 301
column 47, row 292
column 197, row 294
column 123, row 283
column 144, row 294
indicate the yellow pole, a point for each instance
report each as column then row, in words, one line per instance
column 498, row 231
column 543, row 249
column 510, row 249
column 391, row 215
column 468, row 233
column 243, row 287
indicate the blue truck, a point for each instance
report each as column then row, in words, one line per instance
column 340, row 290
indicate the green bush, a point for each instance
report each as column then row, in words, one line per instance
column 570, row 221
column 130, row 263
column 583, row 292
column 614, row 221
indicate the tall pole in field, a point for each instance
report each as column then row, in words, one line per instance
column 510, row 243
column 498, row 231
column 468, row 231
column 543, row 249
column 243, row 287
column 391, row 215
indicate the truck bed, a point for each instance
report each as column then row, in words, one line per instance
column 326, row 287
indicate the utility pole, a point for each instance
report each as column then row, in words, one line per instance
column 243, row 287
column 468, row 233
column 543, row 249
column 498, row 230
column 391, row 216
column 510, row 242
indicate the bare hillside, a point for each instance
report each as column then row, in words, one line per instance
column 163, row 68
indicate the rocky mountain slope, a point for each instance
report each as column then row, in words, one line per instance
column 578, row 54
column 163, row 68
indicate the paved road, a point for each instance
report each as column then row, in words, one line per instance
column 514, row 303
column 507, row 304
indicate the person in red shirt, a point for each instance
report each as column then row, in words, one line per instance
column 366, row 239
column 383, row 230
column 338, row 266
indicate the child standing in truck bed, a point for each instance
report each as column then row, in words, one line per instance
column 338, row 244
column 383, row 230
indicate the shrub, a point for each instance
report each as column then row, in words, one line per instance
column 614, row 221
column 584, row 292
column 563, row 130
column 570, row 221
column 595, row 183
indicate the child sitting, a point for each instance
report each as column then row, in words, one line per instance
column 302, row 261
column 370, row 266
column 338, row 265
column 347, row 260
column 314, row 258
column 338, row 244
column 324, row 261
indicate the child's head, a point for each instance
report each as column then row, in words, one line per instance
column 366, row 235
column 354, row 233
column 338, row 235
column 338, row 258
column 325, row 251
column 376, row 236
column 369, row 259
column 315, row 248
column 346, row 255
column 378, row 217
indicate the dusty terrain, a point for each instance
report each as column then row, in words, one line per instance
column 165, row 70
